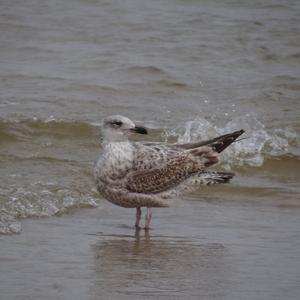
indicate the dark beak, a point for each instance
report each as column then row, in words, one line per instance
column 139, row 129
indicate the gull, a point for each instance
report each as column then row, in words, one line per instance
column 148, row 174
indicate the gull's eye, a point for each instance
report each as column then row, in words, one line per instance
column 118, row 123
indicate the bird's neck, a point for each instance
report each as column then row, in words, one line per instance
column 116, row 158
column 114, row 145
column 118, row 150
column 113, row 137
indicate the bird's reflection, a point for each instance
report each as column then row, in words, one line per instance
column 144, row 265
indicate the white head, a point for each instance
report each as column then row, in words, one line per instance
column 117, row 128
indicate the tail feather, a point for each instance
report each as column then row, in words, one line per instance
column 202, row 179
column 209, row 178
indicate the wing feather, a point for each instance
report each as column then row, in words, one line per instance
column 163, row 178
column 218, row 144
column 159, row 169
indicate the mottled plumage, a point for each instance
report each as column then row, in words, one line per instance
column 150, row 174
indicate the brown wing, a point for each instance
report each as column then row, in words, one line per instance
column 154, row 155
column 175, row 170
column 161, row 179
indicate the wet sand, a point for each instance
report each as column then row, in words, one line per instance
column 195, row 250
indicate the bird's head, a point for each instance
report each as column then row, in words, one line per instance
column 117, row 128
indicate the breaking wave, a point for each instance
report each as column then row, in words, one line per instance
column 45, row 169
column 40, row 200
column 260, row 143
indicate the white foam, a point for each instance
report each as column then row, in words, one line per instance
column 260, row 142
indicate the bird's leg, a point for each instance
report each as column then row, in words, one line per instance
column 138, row 217
column 148, row 217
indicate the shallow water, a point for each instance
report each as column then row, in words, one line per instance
column 210, row 250
column 188, row 70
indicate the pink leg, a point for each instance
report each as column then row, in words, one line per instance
column 138, row 217
column 148, row 217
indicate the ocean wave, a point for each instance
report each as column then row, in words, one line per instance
column 173, row 84
column 53, row 150
column 146, row 70
column 152, row 75
column 40, row 200
column 23, row 129
column 259, row 144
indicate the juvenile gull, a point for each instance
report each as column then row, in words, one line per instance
column 143, row 174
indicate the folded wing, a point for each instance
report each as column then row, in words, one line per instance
column 174, row 167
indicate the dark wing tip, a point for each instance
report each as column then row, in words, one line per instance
column 224, row 141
